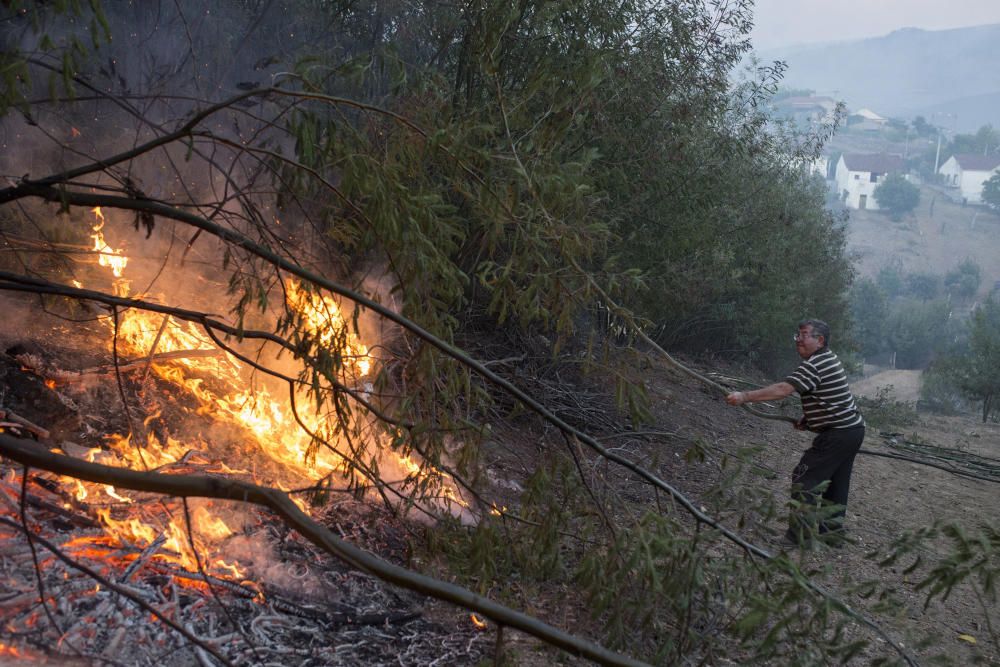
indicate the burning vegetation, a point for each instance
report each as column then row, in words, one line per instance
column 194, row 404
column 244, row 249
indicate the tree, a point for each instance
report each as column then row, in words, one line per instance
column 914, row 330
column 897, row 196
column 975, row 373
column 869, row 308
column 991, row 192
column 446, row 171
column 963, row 281
column 922, row 127
column 985, row 140
column 924, row 286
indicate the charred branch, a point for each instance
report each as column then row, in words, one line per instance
column 26, row 453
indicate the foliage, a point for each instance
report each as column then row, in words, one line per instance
column 922, row 127
column 891, row 280
column 963, row 281
column 991, row 192
column 897, row 196
column 869, row 309
column 985, row 140
column 974, row 371
column 938, row 392
column 914, row 331
column 923, row 286
column 972, row 560
column 483, row 167
column 884, row 412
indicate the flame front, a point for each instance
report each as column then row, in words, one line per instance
column 107, row 256
column 218, row 383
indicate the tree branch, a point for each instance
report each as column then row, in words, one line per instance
column 188, row 486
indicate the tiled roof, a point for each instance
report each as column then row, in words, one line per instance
column 973, row 162
column 879, row 163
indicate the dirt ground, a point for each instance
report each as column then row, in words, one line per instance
column 888, row 498
column 935, row 238
column 903, row 385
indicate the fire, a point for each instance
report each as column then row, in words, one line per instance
column 14, row 652
column 218, row 383
column 323, row 318
column 478, row 622
column 108, row 257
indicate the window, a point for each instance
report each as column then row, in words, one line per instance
column 857, row 177
column 873, row 178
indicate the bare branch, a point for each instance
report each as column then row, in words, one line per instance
column 187, row 486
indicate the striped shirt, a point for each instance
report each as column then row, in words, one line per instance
column 827, row 401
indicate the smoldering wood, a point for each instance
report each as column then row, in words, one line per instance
column 28, row 454
column 8, row 416
column 68, row 376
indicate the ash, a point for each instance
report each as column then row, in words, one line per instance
column 73, row 595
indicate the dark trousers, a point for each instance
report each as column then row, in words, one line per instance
column 822, row 480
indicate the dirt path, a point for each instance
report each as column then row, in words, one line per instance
column 904, row 386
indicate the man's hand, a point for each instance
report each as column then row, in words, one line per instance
column 800, row 425
column 736, row 398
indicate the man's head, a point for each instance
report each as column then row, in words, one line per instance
column 813, row 336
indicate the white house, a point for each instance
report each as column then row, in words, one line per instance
column 968, row 173
column 858, row 175
column 866, row 119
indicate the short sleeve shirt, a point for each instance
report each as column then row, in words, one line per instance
column 827, row 401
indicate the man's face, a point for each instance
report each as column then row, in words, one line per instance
column 807, row 342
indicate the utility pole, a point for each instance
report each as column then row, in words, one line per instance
column 937, row 155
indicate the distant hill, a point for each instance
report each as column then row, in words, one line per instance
column 907, row 72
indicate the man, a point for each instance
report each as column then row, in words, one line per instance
column 829, row 410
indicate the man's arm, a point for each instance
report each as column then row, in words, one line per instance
column 772, row 392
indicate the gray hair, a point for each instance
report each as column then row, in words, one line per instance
column 819, row 327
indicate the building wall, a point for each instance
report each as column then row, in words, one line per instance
column 968, row 181
column 971, row 185
column 856, row 184
column 951, row 172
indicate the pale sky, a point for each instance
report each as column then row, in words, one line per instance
column 786, row 22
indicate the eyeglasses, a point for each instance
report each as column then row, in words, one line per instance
column 801, row 336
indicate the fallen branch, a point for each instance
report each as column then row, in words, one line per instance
column 138, row 364
column 22, row 283
column 29, row 454
column 9, row 416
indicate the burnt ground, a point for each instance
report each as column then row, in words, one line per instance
column 293, row 604
column 306, row 624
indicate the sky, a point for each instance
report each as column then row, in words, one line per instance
column 785, row 22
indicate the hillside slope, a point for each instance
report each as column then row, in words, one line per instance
column 905, row 72
column 889, row 497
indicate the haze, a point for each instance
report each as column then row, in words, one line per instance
column 781, row 23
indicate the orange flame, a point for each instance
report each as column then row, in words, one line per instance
column 218, row 383
column 478, row 622
column 108, row 256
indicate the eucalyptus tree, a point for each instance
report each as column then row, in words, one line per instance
column 452, row 169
